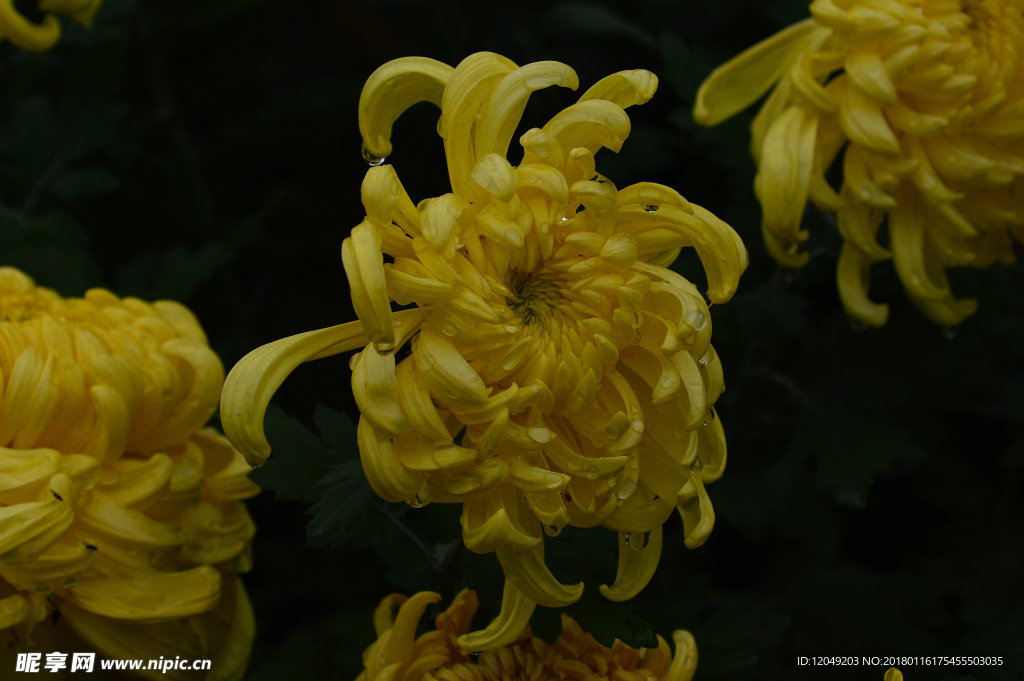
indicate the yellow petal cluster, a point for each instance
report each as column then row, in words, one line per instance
column 546, row 369
column 575, row 656
column 44, row 35
column 120, row 515
column 922, row 104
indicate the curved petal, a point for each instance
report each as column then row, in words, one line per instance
column 853, row 275
column 527, row 571
column 364, row 268
column 784, row 175
column 257, row 376
column 515, row 613
column 392, row 89
column 637, row 564
column 151, row 597
column 500, row 115
column 739, row 82
column 26, row 35
column 684, row 662
column 625, row 88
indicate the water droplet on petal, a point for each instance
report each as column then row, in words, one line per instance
column 448, row 329
column 697, row 466
column 524, row 553
column 539, row 435
column 384, row 348
column 650, row 208
column 511, row 328
column 590, row 472
column 417, row 502
column 636, row 540
column 552, row 530
column 637, row 425
column 372, row 158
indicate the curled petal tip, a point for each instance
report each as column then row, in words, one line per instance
column 509, row 625
column 257, row 376
column 531, row 576
column 636, row 566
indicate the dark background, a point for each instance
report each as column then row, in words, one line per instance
column 208, row 151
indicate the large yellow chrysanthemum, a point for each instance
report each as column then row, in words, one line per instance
column 924, row 102
column 435, row 656
column 118, row 511
column 44, row 35
column 555, row 372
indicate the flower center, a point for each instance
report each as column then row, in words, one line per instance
column 534, row 295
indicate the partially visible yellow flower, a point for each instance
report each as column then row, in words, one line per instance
column 436, row 656
column 923, row 100
column 555, row 372
column 118, row 511
column 44, row 35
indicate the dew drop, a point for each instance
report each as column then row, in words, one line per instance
column 371, row 158
column 539, row 435
column 697, row 466
column 459, row 243
column 637, row 425
column 552, row 530
column 474, row 657
column 650, row 208
column 417, row 502
column 590, row 472
column 448, row 329
column 511, row 328
column 636, row 540
column 384, row 348
column 524, row 553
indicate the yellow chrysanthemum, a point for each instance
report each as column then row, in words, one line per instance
column 44, row 35
column 924, row 101
column 555, row 372
column 118, row 511
column 435, row 656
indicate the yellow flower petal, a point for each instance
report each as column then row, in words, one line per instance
column 784, row 176
column 253, row 381
column 26, row 35
column 150, row 598
column 639, row 553
column 501, row 113
column 515, row 613
column 528, row 573
column 737, row 84
column 392, row 89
